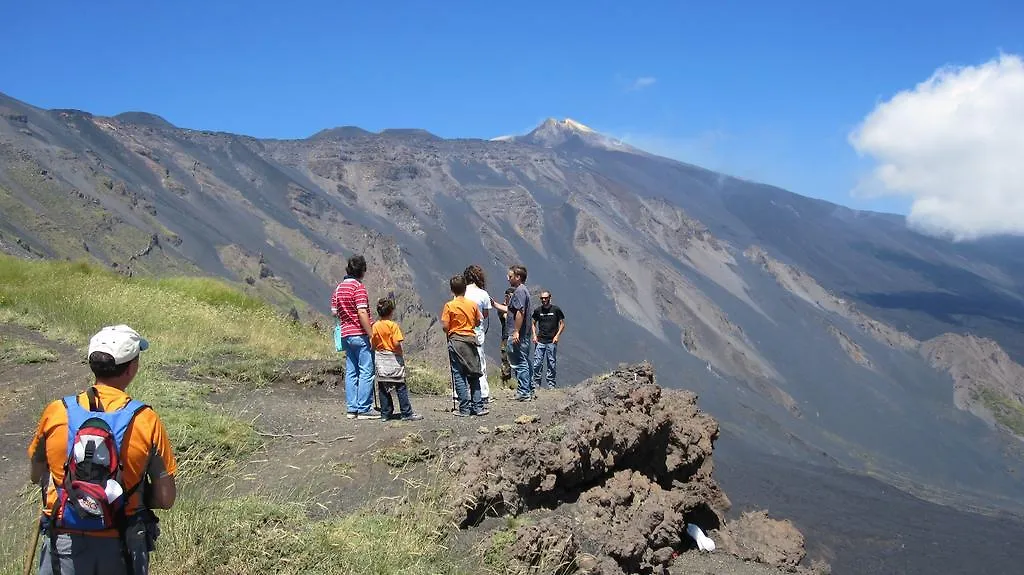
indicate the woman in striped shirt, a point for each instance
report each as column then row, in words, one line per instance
column 350, row 303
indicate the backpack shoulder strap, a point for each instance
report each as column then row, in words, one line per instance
column 122, row 418
column 94, row 399
column 76, row 417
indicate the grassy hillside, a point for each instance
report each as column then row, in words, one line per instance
column 206, row 334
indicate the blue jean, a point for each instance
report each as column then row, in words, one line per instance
column 540, row 353
column 519, row 361
column 358, row 373
column 387, row 408
column 467, row 387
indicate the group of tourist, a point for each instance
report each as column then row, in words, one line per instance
column 103, row 461
column 373, row 348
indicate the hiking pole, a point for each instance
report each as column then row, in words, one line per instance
column 32, row 549
column 376, row 405
column 454, row 393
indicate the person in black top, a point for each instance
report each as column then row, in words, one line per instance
column 506, row 369
column 548, row 324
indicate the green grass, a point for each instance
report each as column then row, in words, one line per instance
column 19, row 352
column 258, row 534
column 423, row 380
column 224, row 336
column 210, row 291
column 20, row 516
column 256, row 369
column 556, row 432
column 410, row 450
column 1006, row 411
column 496, row 548
column 187, row 320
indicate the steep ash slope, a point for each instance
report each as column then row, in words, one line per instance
column 650, row 259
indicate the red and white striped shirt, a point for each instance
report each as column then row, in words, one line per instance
column 349, row 296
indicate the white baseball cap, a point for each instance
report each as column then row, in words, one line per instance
column 120, row 341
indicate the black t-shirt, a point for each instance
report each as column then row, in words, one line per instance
column 547, row 319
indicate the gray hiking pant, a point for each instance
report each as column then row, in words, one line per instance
column 90, row 555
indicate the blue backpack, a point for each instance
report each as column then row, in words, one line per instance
column 93, row 495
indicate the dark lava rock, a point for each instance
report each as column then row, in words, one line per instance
column 624, row 465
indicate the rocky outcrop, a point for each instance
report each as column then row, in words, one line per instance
column 854, row 351
column 616, row 473
column 805, row 287
column 986, row 381
column 756, row 537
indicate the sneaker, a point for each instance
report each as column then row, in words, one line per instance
column 524, row 397
column 458, row 413
column 413, row 417
column 483, row 411
column 367, row 415
column 350, row 415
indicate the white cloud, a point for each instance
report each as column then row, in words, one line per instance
column 643, row 82
column 955, row 145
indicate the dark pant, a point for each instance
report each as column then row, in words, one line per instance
column 544, row 351
column 467, row 387
column 387, row 408
column 88, row 554
column 506, row 368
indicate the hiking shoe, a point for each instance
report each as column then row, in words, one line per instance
column 458, row 413
column 367, row 415
column 525, row 397
column 413, row 417
column 484, row 411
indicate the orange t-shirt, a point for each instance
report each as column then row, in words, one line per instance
column 386, row 335
column 145, row 436
column 462, row 316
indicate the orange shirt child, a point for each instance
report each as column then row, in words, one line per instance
column 387, row 336
column 460, row 315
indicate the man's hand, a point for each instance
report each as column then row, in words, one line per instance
column 555, row 340
column 534, row 339
column 364, row 320
column 515, row 337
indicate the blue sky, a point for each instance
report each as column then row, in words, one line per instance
column 764, row 90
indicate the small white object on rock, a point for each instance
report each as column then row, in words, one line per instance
column 704, row 543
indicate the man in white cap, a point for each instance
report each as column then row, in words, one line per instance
column 102, row 523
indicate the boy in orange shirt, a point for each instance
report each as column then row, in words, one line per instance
column 386, row 339
column 458, row 318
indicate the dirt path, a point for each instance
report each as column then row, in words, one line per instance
column 25, row 389
column 311, row 450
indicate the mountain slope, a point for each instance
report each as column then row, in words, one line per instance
column 758, row 298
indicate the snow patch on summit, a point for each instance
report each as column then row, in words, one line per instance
column 553, row 133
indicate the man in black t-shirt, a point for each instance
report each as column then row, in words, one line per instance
column 548, row 324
